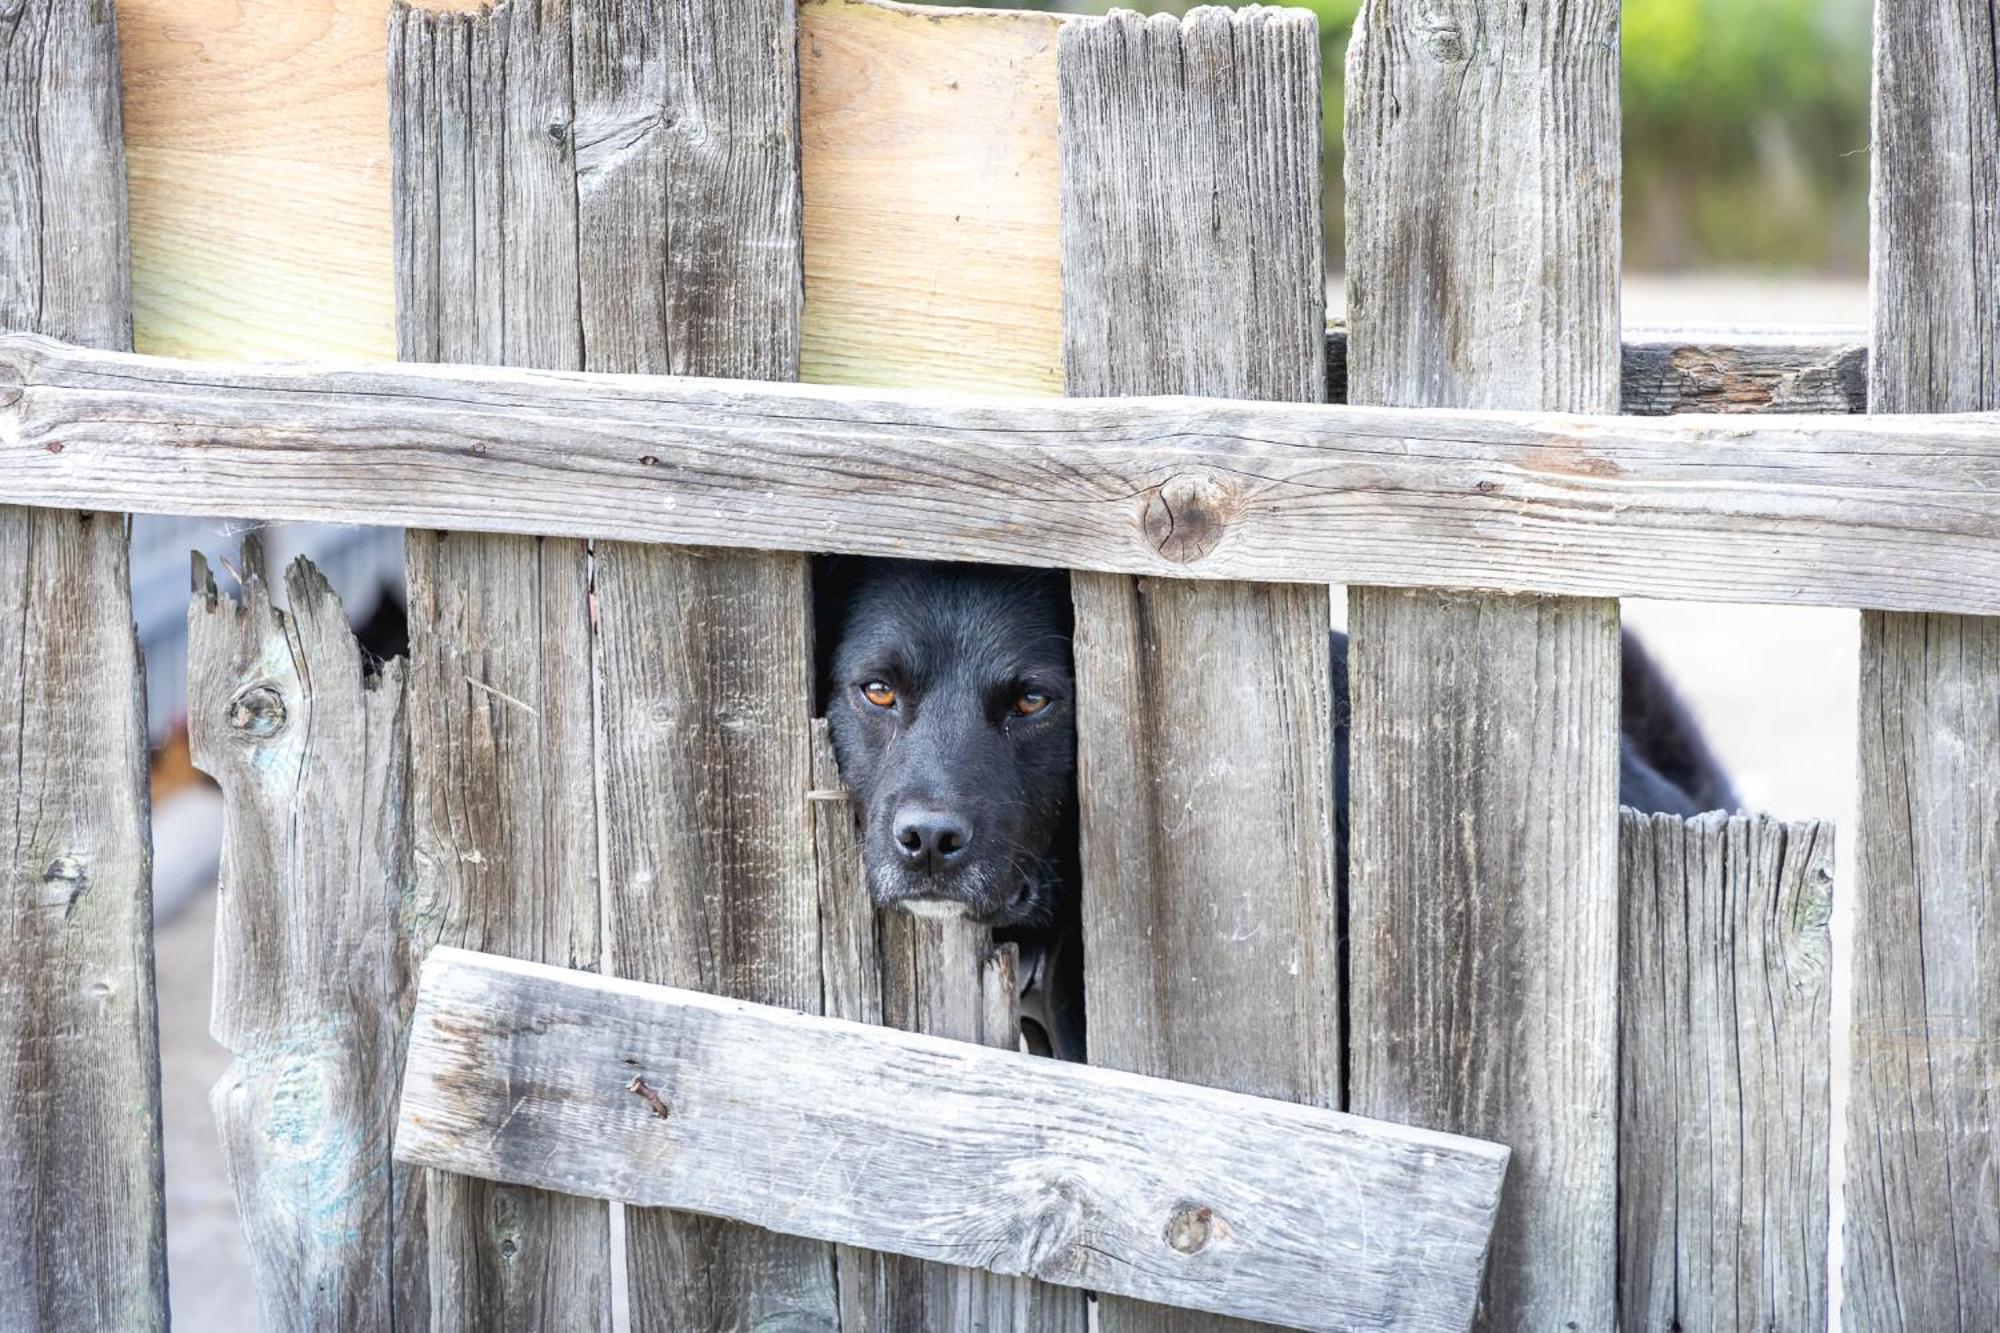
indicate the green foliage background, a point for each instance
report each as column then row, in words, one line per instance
column 1746, row 128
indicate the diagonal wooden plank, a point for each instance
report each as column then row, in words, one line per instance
column 1483, row 186
column 1725, row 1093
column 80, row 1173
column 942, row 1149
column 1191, row 264
column 503, row 835
column 1923, row 1159
column 313, row 983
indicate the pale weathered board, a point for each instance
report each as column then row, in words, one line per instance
column 313, row 983
column 1192, row 264
column 81, row 1203
column 945, row 978
column 1922, row 1248
column 504, row 846
column 1829, row 511
column 1483, row 181
column 943, row 1150
column 688, row 249
column 1725, row 1108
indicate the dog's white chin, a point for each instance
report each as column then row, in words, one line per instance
column 936, row 909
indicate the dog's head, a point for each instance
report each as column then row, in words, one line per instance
column 949, row 694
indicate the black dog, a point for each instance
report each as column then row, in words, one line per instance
column 950, row 694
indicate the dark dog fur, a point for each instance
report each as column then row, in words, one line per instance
column 950, row 694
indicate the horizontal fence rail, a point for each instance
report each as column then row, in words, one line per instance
column 944, row 1150
column 1888, row 513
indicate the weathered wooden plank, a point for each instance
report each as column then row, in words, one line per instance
column 1483, row 186
column 80, row 1177
column 943, row 1150
column 687, row 192
column 1192, row 264
column 1725, row 1100
column 313, row 984
column 1869, row 511
column 504, row 831
column 945, row 978
column 1923, row 1159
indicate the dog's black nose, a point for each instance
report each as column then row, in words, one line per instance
column 931, row 839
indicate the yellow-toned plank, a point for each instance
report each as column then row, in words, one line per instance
column 258, row 143
column 931, row 196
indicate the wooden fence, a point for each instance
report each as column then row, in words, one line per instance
column 600, row 756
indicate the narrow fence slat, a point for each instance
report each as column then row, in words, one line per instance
column 687, row 192
column 1192, row 264
column 1483, row 190
column 1923, row 1161
column 1725, row 1100
column 504, row 843
column 943, row 1150
column 81, row 1200
column 313, row 981
column 947, row 979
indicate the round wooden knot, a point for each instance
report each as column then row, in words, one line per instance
column 258, row 712
column 1189, row 1229
column 1187, row 517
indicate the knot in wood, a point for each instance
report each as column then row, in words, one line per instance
column 1190, row 1228
column 13, row 382
column 1443, row 40
column 258, row 712
column 1186, row 517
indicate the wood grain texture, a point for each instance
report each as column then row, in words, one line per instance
column 1192, row 264
column 1885, row 511
column 1667, row 371
column 1725, row 1099
column 1923, row 1161
column 504, row 824
column 687, row 192
column 313, row 982
column 942, row 1149
column 945, row 978
column 1483, row 180
column 81, row 1202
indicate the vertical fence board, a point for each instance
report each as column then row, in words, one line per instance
column 1923, row 1160
column 1725, row 1100
column 504, row 846
column 81, row 1202
column 1483, row 190
column 688, row 197
column 1192, row 264
column 313, row 985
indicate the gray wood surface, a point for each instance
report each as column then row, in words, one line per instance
column 1725, row 1101
column 1191, row 234
column 81, row 1203
column 1891, row 512
column 1922, row 1249
column 504, row 832
column 313, row 983
column 945, row 978
column 943, row 1150
column 690, row 263
column 1483, row 180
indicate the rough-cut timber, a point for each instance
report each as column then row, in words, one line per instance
column 1192, row 264
column 1923, row 1162
column 687, row 188
column 948, row 979
column 1482, row 271
column 81, row 1204
column 943, row 1150
column 1847, row 511
column 313, row 986
column 504, row 832
column 1724, row 1104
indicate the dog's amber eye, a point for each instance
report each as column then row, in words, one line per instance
column 879, row 694
column 1030, row 703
